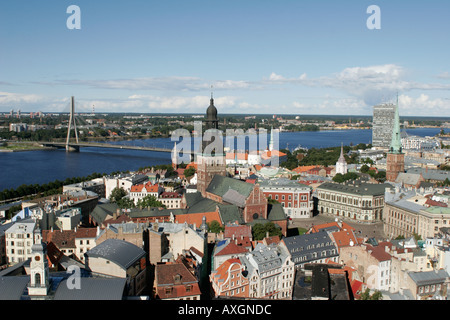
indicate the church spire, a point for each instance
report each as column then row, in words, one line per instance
column 396, row 143
column 341, row 157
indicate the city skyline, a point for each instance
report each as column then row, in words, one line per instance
column 261, row 57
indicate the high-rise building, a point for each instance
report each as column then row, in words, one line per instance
column 395, row 160
column 382, row 125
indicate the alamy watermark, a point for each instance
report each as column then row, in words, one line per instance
column 74, row 20
column 374, row 21
column 74, row 280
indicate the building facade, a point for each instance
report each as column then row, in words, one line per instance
column 19, row 240
column 383, row 124
column 407, row 218
column 270, row 271
column 311, row 248
column 353, row 200
column 295, row 198
column 230, row 279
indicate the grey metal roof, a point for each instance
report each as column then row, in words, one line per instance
column 266, row 257
column 307, row 244
column 234, row 197
column 92, row 289
column 219, row 185
column 276, row 212
column 356, row 187
column 121, row 252
column 12, row 288
column 428, row 277
column 438, row 175
column 408, row 178
column 101, row 211
column 406, row 205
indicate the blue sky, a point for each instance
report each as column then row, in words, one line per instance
column 282, row 57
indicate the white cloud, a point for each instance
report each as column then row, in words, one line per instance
column 172, row 83
column 19, row 98
column 423, row 105
column 372, row 84
column 444, row 75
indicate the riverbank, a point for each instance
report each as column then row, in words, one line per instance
column 22, row 146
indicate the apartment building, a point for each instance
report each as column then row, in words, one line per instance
column 316, row 247
column 270, row 272
column 406, row 217
column 19, row 239
column 296, row 198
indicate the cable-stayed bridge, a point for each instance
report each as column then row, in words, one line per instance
column 74, row 145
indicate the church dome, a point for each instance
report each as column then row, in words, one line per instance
column 211, row 112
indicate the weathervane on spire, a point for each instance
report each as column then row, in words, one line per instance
column 211, row 91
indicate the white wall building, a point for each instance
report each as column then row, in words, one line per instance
column 19, row 240
column 124, row 181
column 270, row 272
column 69, row 219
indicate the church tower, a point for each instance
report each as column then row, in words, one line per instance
column 39, row 274
column 395, row 161
column 210, row 160
column 341, row 164
column 211, row 115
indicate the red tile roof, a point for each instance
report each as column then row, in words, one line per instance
column 148, row 186
column 197, row 218
column 379, row 251
column 344, row 238
column 60, row 238
column 221, row 274
column 231, row 248
column 165, row 279
column 168, row 194
column 238, row 231
column 433, row 203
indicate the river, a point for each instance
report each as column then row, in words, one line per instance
column 43, row 166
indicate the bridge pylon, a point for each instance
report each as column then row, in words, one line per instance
column 70, row 148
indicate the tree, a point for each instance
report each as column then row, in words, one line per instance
column 117, row 194
column 377, row 295
column 381, row 176
column 149, row 201
column 125, row 203
column 215, row 227
column 364, row 168
column 339, row 178
column 259, row 230
column 189, row 172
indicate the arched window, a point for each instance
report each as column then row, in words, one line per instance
column 37, row 279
